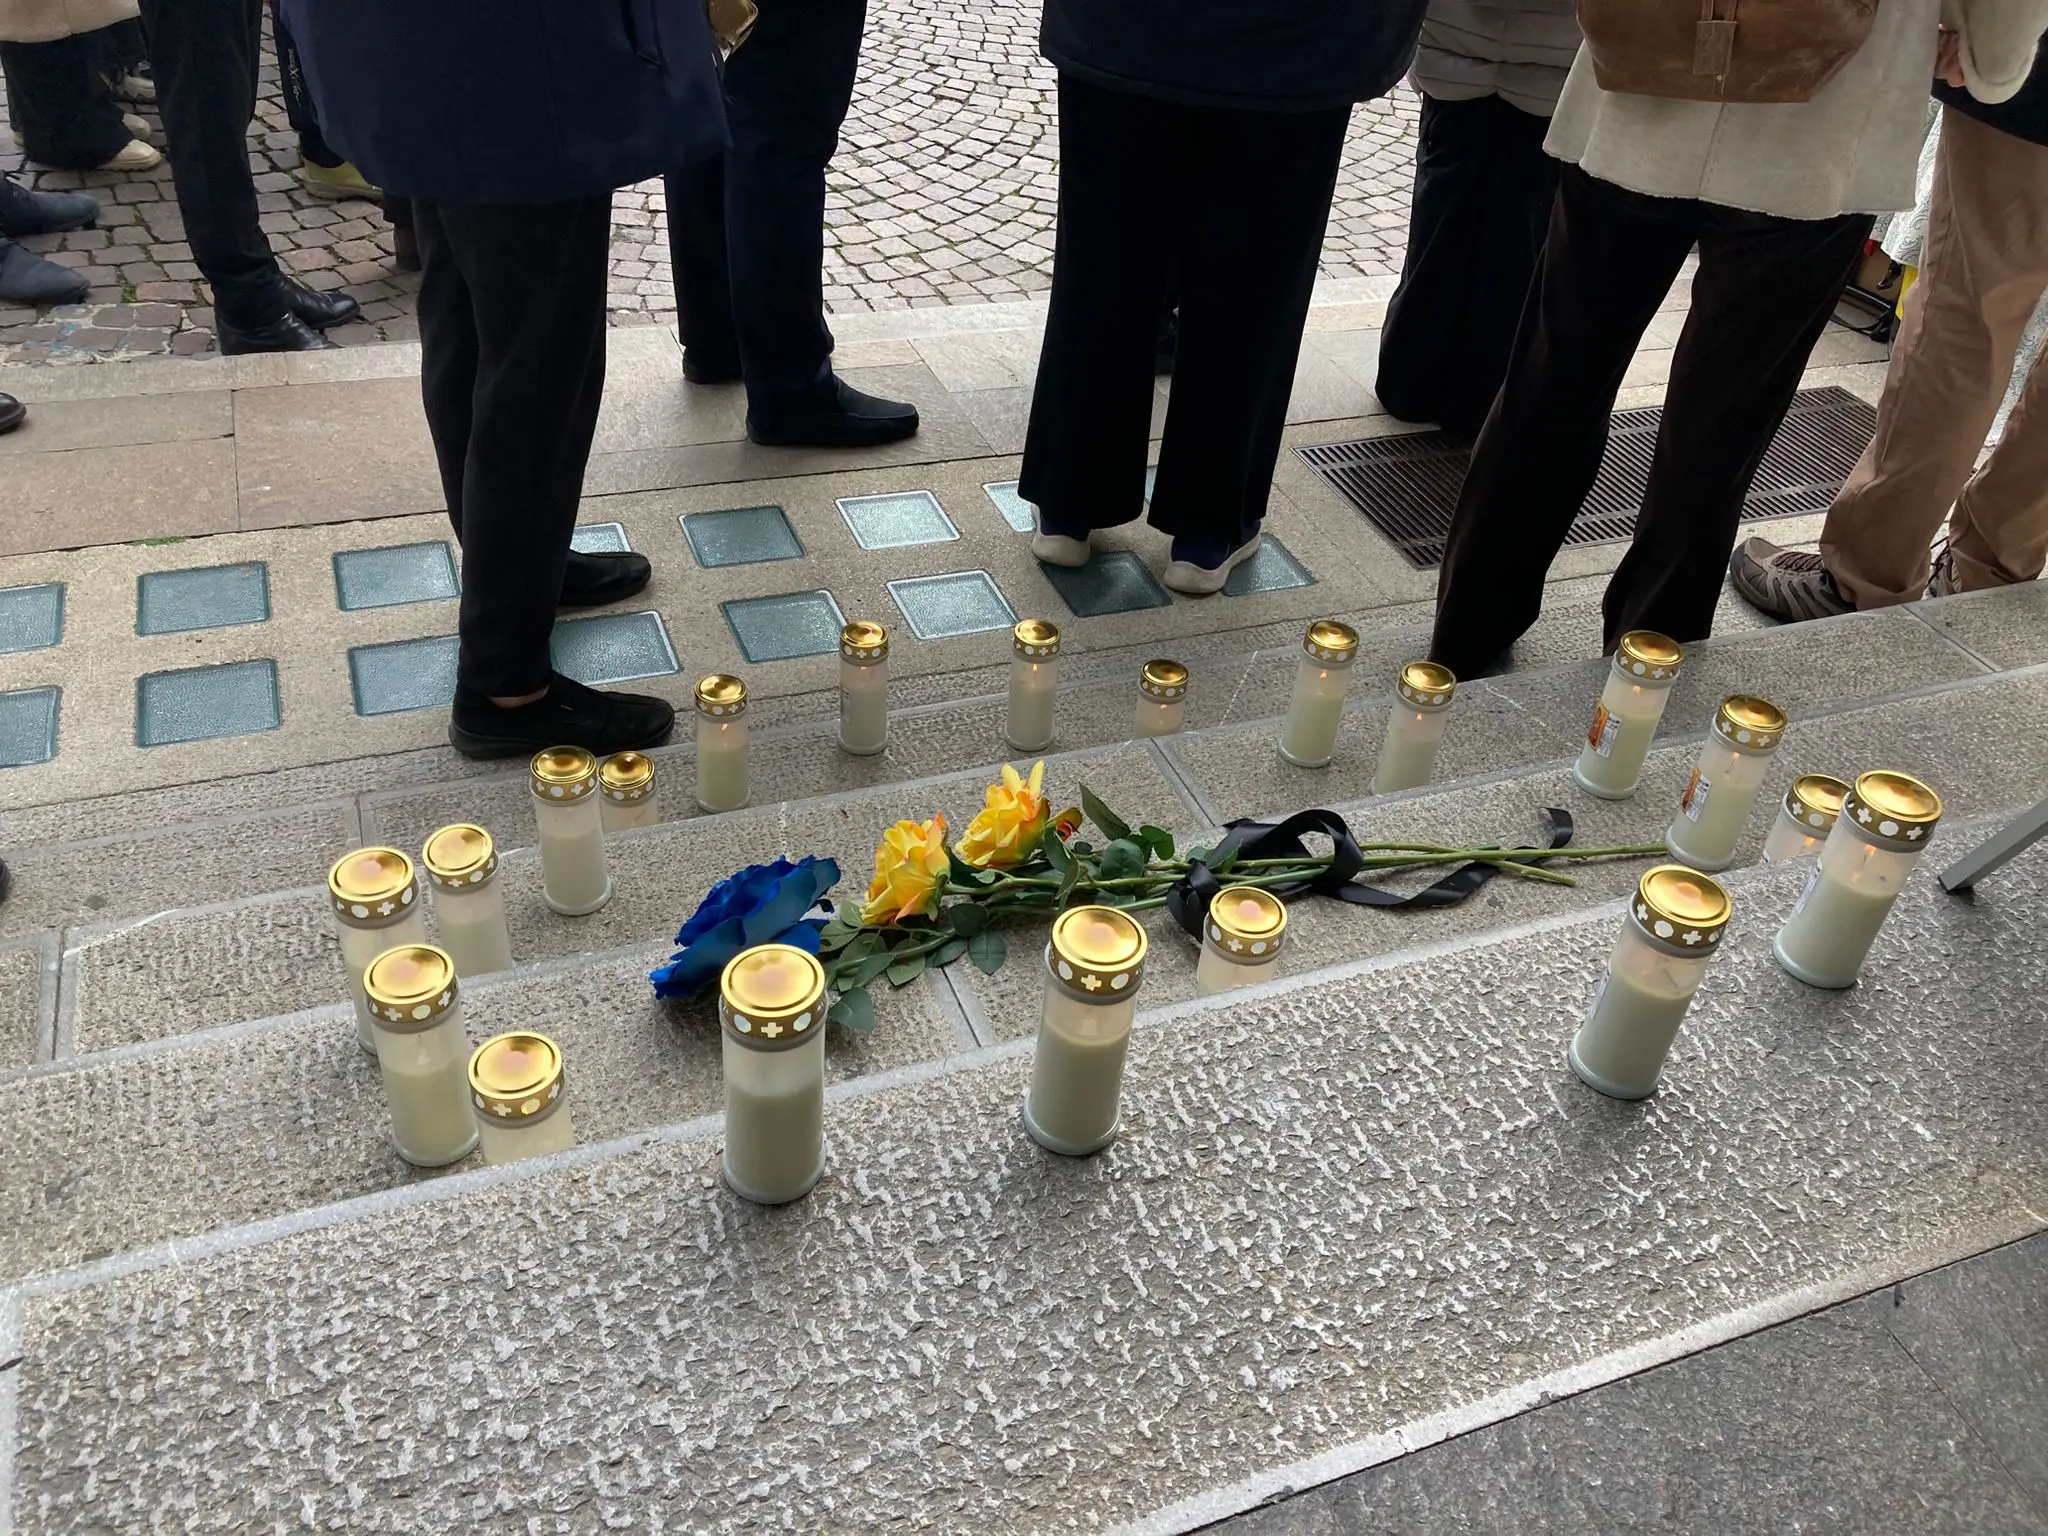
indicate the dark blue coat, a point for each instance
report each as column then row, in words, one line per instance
column 511, row 101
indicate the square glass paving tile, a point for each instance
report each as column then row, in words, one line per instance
column 28, row 726
column 403, row 674
column 898, row 520
column 741, row 536
column 1112, row 583
column 1015, row 509
column 599, row 539
column 613, row 648
column 1272, row 569
column 787, row 626
column 32, row 618
column 402, row 573
column 214, row 597
column 201, row 703
column 964, row 603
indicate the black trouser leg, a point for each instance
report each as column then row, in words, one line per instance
column 1610, row 258
column 57, row 102
column 298, row 101
column 204, row 54
column 786, row 93
column 700, row 265
column 1252, row 203
column 512, row 320
column 1760, row 299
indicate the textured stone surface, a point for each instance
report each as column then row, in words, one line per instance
column 2007, row 627
column 1333, row 1210
column 22, row 1014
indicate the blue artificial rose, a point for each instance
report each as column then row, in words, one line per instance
column 762, row 904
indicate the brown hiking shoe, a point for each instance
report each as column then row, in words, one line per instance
column 1788, row 584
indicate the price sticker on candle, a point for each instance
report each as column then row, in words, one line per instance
column 1605, row 728
column 1694, row 800
column 1599, row 992
column 1806, row 895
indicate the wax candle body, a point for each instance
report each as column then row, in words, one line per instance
column 774, row 1119
column 1790, row 838
column 574, row 878
column 1826, row 940
column 1623, row 728
column 1077, row 1073
column 508, row 1143
column 1160, row 717
column 1621, row 1046
column 426, row 1079
column 1033, row 691
column 1309, row 737
column 1408, row 757
column 721, row 764
column 625, row 815
column 472, row 923
column 1214, row 973
column 359, row 946
column 1716, row 805
column 863, row 706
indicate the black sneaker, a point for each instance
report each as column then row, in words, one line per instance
column 569, row 715
column 611, row 576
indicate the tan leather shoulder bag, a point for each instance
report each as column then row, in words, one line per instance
column 1723, row 50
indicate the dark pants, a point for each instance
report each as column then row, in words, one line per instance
column 1483, row 190
column 512, row 315
column 204, row 55
column 1761, row 297
column 1227, row 205
column 58, row 104
column 747, row 231
column 298, row 101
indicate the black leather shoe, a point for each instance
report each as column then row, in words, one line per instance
column 570, row 715
column 23, row 212
column 291, row 334
column 12, row 413
column 700, row 367
column 844, row 418
column 320, row 310
column 591, row 581
column 25, row 278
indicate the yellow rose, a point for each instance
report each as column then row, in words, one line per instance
column 910, row 873
column 1010, row 823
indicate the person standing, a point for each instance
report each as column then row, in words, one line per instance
column 1199, row 145
column 509, row 142
column 1489, row 74
column 747, row 235
column 1983, row 270
column 1778, row 195
column 60, row 108
column 204, row 55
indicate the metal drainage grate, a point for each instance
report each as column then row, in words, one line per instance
column 1408, row 486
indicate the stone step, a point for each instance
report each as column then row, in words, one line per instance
column 1372, row 1208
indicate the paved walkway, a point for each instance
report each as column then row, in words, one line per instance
column 944, row 192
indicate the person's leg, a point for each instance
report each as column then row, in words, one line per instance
column 1998, row 534
column 1760, row 299
column 702, row 271
column 58, row 104
column 1091, row 406
column 448, row 352
column 1254, row 208
column 1610, row 258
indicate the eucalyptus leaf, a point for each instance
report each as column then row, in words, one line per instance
column 1157, row 840
column 1122, row 860
column 870, row 968
column 948, row 952
column 1113, row 826
column 868, row 942
column 1080, row 848
column 1054, row 850
column 966, row 918
column 988, row 949
column 855, row 1010
column 906, row 970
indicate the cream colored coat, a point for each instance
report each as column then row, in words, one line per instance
column 1851, row 149
column 44, row 21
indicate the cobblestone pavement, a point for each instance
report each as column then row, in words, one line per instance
column 944, row 191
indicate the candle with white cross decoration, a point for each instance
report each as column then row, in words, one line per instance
column 1673, row 928
column 1092, row 969
column 1806, row 818
column 574, row 880
column 1241, row 939
column 422, row 1053
column 374, row 896
column 520, row 1097
column 626, row 782
column 1638, row 687
column 771, row 1006
column 1415, row 727
column 722, row 753
column 1718, row 798
column 863, row 688
column 1886, row 823
column 1308, row 736
column 1162, row 698
column 1034, row 685
column 469, row 903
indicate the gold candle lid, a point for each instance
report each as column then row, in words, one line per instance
column 1328, row 640
column 461, row 857
column 1892, row 810
column 1645, row 654
column 1036, row 639
column 1427, row 685
column 1163, row 680
column 1680, row 910
column 721, row 697
column 1246, row 924
column 1097, row 953
column 410, row 986
column 1757, row 724
column 372, row 887
column 516, row 1079
column 564, row 773
column 627, row 777
column 864, row 642
column 1815, row 800
column 773, row 996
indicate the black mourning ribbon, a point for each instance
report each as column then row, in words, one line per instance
column 1248, row 838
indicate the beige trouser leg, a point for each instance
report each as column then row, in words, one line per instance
column 1984, row 268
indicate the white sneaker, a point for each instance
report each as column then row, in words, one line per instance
column 1199, row 581
column 138, row 128
column 133, row 88
column 134, row 156
column 1058, row 549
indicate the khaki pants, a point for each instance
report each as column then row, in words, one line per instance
column 1983, row 271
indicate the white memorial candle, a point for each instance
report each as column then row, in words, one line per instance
column 469, row 904
column 1638, row 687
column 423, row 1054
column 1718, row 798
column 863, row 688
column 1034, row 685
column 1093, row 966
column 1673, row 928
column 1241, row 940
column 1308, row 738
column 1162, row 698
column 520, row 1097
column 722, row 743
column 626, row 782
column 1415, row 728
column 1806, row 818
column 375, row 899
column 772, row 1008
column 574, row 880
column 1886, row 820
